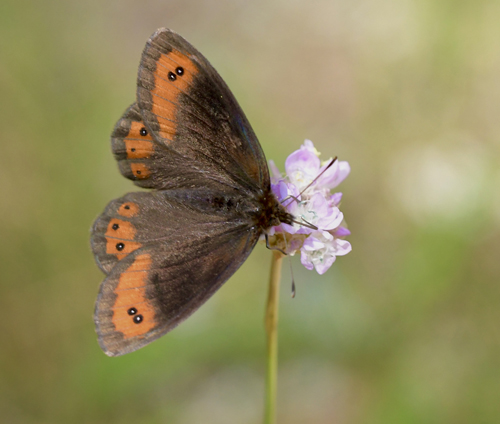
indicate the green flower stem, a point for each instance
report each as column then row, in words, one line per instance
column 271, row 323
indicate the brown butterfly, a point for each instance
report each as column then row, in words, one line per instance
column 166, row 251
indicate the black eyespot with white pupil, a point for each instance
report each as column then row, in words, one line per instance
column 132, row 311
column 171, row 76
column 120, row 246
column 138, row 319
column 138, row 172
column 143, row 132
column 179, row 71
column 115, row 226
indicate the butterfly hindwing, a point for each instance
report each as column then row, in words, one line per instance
column 119, row 230
column 180, row 261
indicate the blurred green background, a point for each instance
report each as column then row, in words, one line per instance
column 405, row 329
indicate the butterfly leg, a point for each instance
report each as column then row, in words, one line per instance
column 272, row 248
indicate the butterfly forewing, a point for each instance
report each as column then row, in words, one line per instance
column 189, row 109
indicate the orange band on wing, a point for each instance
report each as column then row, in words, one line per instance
column 140, row 170
column 174, row 72
column 138, row 142
column 128, row 209
column 138, row 149
column 138, row 130
column 120, row 248
column 121, row 229
column 133, row 315
column 120, row 234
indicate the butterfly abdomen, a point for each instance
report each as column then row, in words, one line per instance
column 231, row 205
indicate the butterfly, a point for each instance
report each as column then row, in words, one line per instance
column 167, row 250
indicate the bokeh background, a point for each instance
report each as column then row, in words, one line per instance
column 405, row 329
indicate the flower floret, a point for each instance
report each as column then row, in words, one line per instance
column 305, row 191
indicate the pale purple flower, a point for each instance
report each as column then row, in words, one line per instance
column 320, row 250
column 317, row 205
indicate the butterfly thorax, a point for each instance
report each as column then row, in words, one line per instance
column 271, row 212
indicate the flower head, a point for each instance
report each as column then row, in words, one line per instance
column 306, row 192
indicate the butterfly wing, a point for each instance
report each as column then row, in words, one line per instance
column 167, row 251
column 139, row 157
column 177, row 251
column 191, row 113
column 150, row 164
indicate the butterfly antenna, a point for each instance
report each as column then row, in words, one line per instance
column 296, row 198
column 290, row 196
column 309, row 224
column 304, row 223
column 319, row 175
